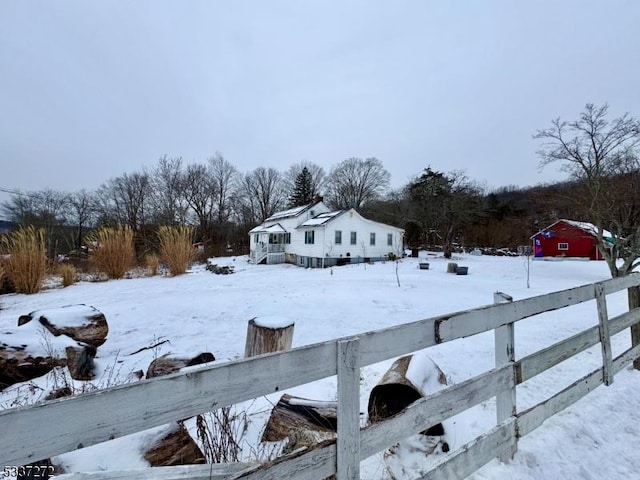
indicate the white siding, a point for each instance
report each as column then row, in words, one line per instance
column 349, row 222
column 324, row 245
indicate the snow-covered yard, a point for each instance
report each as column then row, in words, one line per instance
column 200, row 311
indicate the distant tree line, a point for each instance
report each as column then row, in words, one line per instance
column 222, row 203
column 437, row 209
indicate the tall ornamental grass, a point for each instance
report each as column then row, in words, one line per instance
column 153, row 263
column 113, row 251
column 26, row 261
column 176, row 248
column 68, row 274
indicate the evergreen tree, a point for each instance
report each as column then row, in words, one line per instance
column 302, row 193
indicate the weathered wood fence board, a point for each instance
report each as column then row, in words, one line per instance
column 465, row 324
column 218, row 471
column 304, row 464
column 529, row 420
column 536, row 363
column 99, row 416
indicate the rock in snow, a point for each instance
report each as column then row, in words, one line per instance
column 83, row 323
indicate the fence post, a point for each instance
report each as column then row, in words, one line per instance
column 605, row 338
column 348, row 442
column 504, row 354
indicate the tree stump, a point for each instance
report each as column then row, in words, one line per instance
column 268, row 334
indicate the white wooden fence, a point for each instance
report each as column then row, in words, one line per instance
column 51, row 428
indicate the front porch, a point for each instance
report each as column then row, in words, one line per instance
column 268, row 254
column 269, row 247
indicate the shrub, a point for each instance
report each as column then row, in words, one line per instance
column 176, row 248
column 68, row 273
column 26, row 262
column 113, row 251
column 153, row 263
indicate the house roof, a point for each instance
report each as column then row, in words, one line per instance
column 589, row 228
column 292, row 212
column 324, row 218
column 321, row 219
column 275, row 228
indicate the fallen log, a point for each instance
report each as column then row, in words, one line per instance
column 292, row 414
column 409, row 378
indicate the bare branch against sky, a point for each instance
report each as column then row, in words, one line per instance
column 92, row 90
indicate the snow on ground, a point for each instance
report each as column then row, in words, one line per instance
column 200, row 311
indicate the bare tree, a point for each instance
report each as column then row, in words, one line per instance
column 82, row 208
column 126, row 200
column 225, row 179
column 263, row 191
column 46, row 209
column 200, row 193
column 354, row 182
column 169, row 204
column 22, row 208
column 602, row 155
column 244, row 204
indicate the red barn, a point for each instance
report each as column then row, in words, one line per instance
column 568, row 238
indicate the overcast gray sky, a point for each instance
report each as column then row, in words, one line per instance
column 93, row 89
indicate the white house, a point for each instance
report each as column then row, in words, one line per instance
column 314, row 236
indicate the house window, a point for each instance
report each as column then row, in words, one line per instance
column 354, row 238
column 390, row 239
column 338, row 237
column 256, row 238
column 309, row 236
column 563, row 246
column 372, row 238
column 287, row 238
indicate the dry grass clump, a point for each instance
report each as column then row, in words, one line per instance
column 26, row 261
column 68, row 273
column 153, row 263
column 176, row 248
column 113, row 251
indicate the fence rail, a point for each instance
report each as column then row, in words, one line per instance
column 51, row 428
